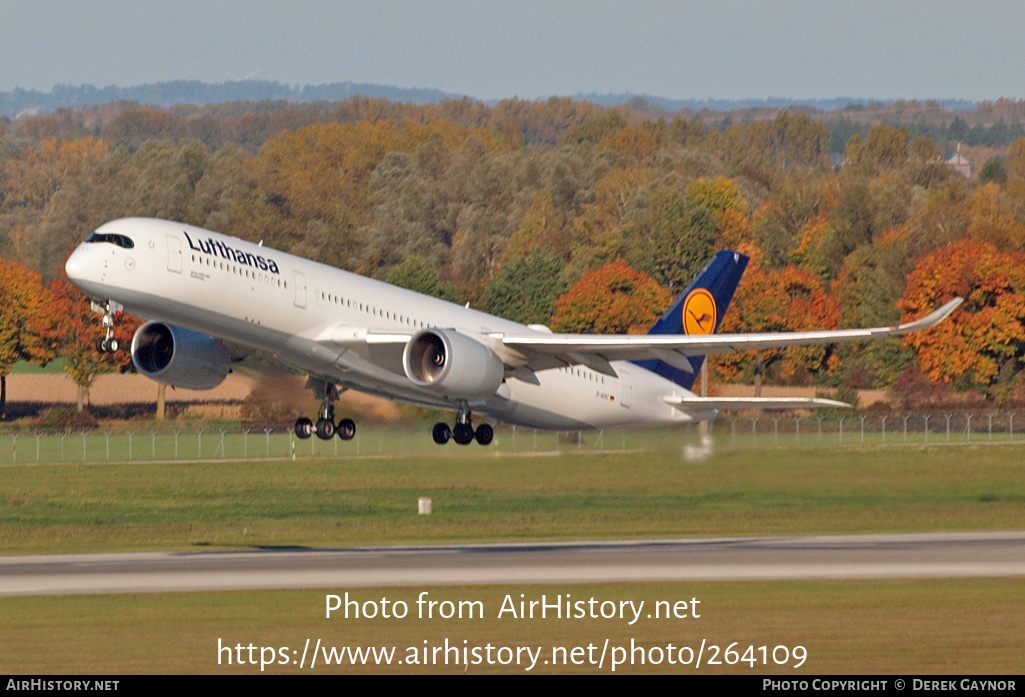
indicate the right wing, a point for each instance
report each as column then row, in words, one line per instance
column 596, row 351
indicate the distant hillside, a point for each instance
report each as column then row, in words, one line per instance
column 724, row 105
column 165, row 94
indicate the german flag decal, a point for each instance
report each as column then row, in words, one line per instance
column 699, row 312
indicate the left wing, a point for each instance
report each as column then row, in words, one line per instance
column 597, row 350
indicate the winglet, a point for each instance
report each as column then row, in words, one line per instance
column 930, row 320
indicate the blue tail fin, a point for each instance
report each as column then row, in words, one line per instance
column 699, row 310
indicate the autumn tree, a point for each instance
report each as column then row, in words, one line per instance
column 525, row 288
column 30, row 182
column 985, row 339
column 779, row 224
column 543, row 227
column 79, row 329
column 1014, row 163
column 886, row 148
column 491, row 208
column 309, row 188
column 926, row 164
column 673, row 241
column 780, row 301
column 597, row 237
column 33, row 178
column 995, row 218
column 798, row 141
column 868, row 286
column 29, row 322
column 417, row 274
column 406, row 219
column 613, row 299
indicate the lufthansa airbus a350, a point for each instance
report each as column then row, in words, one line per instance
column 208, row 297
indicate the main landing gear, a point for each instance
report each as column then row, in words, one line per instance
column 325, row 428
column 463, row 431
column 110, row 310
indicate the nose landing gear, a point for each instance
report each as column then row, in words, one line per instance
column 111, row 311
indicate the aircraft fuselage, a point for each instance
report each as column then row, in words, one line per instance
column 306, row 314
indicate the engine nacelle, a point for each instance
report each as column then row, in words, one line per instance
column 179, row 357
column 452, row 364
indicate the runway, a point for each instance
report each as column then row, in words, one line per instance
column 926, row 555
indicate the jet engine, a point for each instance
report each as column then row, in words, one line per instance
column 452, row 363
column 179, row 357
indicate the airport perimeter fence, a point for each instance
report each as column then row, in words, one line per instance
column 921, row 428
column 414, row 440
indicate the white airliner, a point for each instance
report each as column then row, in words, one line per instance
column 209, row 297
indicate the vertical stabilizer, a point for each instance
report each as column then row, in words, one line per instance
column 699, row 310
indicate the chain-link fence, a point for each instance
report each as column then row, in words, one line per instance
column 731, row 431
column 951, row 426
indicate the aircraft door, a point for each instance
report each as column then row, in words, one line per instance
column 300, row 289
column 174, row 254
column 626, row 397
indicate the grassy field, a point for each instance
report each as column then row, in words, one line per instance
column 934, row 626
column 54, row 367
column 486, row 497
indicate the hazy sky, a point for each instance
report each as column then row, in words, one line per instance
column 721, row 49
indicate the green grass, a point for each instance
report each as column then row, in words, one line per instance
column 483, row 495
column 53, row 367
column 870, row 627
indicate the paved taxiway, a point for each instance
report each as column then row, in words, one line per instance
column 728, row 559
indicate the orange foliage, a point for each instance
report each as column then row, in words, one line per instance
column 736, row 232
column 28, row 322
column 988, row 331
column 991, row 218
column 320, row 175
column 614, row 299
column 630, row 142
column 80, row 328
column 787, row 300
column 32, row 180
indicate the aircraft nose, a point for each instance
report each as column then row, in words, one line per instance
column 81, row 268
column 75, row 266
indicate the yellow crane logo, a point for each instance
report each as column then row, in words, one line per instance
column 699, row 312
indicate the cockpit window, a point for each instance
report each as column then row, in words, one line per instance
column 119, row 240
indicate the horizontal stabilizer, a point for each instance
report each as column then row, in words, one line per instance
column 721, row 403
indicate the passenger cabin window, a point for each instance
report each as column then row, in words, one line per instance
column 120, row 240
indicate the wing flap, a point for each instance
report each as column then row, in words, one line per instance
column 380, row 347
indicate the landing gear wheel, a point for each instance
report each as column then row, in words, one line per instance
column 485, row 434
column 303, row 428
column 346, row 429
column 325, row 429
column 111, row 311
column 442, row 433
column 108, row 345
column 462, row 434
